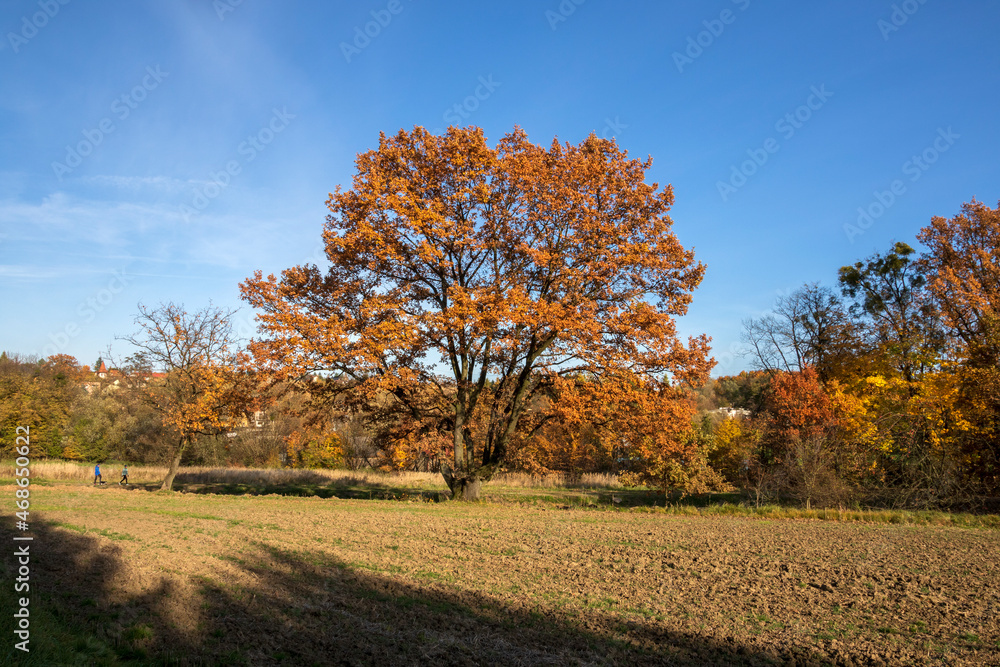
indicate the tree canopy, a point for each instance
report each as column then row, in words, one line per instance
column 466, row 279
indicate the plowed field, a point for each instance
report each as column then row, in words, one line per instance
column 122, row 577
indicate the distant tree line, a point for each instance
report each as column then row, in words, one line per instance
column 75, row 415
column 884, row 389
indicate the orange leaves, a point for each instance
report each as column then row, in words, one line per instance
column 964, row 265
column 186, row 369
column 799, row 406
column 593, row 423
column 478, row 274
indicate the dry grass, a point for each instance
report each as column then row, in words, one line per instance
column 291, row 476
column 132, row 578
column 518, row 484
column 557, row 481
column 69, row 470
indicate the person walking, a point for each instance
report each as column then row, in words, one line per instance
column 124, row 479
column 97, row 474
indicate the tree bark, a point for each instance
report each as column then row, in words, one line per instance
column 175, row 464
column 463, row 486
column 466, row 488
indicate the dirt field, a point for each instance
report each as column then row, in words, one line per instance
column 129, row 577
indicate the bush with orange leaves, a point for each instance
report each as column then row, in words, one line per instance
column 801, row 443
column 625, row 422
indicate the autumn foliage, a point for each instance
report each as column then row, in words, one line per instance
column 964, row 267
column 186, row 369
column 908, row 413
column 465, row 280
column 488, row 308
column 38, row 395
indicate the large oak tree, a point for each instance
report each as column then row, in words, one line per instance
column 465, row 279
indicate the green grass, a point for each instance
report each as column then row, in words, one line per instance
column 110, row 534
column 600, row 495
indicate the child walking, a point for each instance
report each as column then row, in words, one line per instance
column 124, row 479
column 97, row 474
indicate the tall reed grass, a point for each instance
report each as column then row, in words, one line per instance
column 73, row 471
column 63, row 471
column 139, row 474
column 557, row 481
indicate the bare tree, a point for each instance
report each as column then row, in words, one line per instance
column 805, row 328
column 186, row 369
column 359, row 445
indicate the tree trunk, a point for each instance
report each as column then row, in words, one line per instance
column 463, row 486
column 175, row 464
column 466, row 488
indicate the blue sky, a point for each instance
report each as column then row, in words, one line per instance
column 165, row 150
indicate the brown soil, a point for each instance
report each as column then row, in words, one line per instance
column 273, row 580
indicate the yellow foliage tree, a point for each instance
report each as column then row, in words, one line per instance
column 320, row 450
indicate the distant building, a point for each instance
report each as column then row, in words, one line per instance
column 106, row 379
column 733, row 413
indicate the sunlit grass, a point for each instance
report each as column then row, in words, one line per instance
column 140, row 474
column 111, row 472
column 556, row 488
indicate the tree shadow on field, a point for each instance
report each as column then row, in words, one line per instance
column 309, row 608
column 305, row 485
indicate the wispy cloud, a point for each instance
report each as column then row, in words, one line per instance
column 39, row 273
column 161, row 184
column 22, row 272
column 62, row 229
